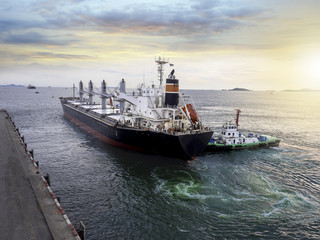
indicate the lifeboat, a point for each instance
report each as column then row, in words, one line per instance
column 192, row 112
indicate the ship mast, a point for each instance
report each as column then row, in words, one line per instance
column 237, row 118
column 161, row 63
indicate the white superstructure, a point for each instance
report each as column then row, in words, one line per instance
column 157, row 108
column 230, row 134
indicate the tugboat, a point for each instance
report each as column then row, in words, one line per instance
column 231, row 138
column 155, row 119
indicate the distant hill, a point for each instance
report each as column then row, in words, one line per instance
column 239, row 89
column 12, row 85
column 301, row 90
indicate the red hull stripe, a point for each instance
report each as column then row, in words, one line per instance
column 99, row 135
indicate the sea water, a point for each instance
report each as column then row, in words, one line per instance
column 271, row 193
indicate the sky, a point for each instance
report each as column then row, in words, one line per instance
column 213, row 44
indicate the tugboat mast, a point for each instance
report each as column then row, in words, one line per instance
column 237, row 118
column 161, row 63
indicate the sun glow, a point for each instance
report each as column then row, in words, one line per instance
column 311, row 70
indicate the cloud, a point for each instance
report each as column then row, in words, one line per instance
column 63, row 56
column 203, row 17
column 34, row 38
column 18, row 15
column 8, row 24
column 172, row 19
column 196, row 19
column 205, row 4
column 8, row 55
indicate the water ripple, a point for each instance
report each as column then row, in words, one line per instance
column 253, row 194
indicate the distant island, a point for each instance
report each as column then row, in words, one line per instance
column 301, row 90
column 239, row 89
column 12, row 85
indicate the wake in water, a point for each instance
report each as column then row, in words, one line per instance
column 230, row 190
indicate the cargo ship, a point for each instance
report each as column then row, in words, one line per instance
column 230, row 138
column 157, row 119
column 31, row 86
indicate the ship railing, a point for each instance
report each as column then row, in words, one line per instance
column 179, row 131
column 71, row 98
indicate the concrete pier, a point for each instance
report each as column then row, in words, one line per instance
column 29, row 208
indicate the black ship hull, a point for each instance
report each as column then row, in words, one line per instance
column 183, row 146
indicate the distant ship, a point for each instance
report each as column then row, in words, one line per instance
column 230, row 138
column 31, row 87
column 153, row 118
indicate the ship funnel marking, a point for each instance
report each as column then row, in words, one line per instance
column 172, row 91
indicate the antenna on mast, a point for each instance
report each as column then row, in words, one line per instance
column 161, row 63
